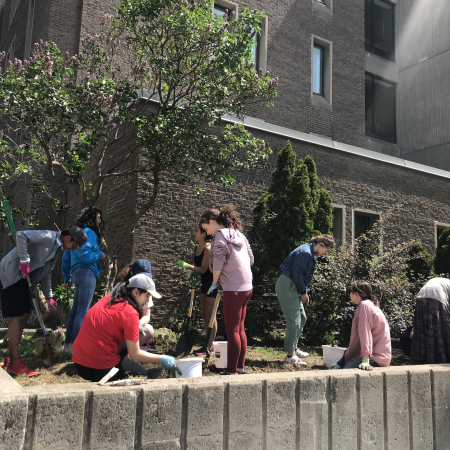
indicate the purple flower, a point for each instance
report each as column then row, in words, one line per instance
column 74, row 58
column 30, row 167
column 62, row 158
column 22, row 146
column 113, row 125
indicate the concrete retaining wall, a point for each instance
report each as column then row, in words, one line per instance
column 394, row 408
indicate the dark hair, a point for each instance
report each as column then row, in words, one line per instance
column 325, row 239
column 88, row 218
column 125, row 274
column 203, row 231
column 227, row 216
column 123, row 294
column 364, row 289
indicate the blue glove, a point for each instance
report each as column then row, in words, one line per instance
column 212, row 288
column 168, row 362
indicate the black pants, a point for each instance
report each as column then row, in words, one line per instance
column 126, row 368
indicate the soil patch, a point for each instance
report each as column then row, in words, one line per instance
column 259, row 360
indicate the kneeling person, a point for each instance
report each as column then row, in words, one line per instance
column 115, row 319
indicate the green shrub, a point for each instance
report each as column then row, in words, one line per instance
column 287, row 215
column 385, row 267
column 420, row 265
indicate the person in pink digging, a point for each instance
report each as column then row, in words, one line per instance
column 370, row 340
column 230, row 260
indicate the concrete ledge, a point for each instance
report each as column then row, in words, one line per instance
column 390, row 408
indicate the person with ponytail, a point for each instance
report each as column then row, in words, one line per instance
column 297, row 270
column 114, row 319
column 83, row 269
column 143, row 266
column 370, row 340
column 229, row 261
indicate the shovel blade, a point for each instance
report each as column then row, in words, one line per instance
column 184, row 345
column 48, row 349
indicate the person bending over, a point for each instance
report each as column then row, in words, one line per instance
column 35, row 255
column 297, row 270
column 114, row 319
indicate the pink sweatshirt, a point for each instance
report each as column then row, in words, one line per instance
column 370, row 335
column 231, row 253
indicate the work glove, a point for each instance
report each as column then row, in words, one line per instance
column 365, row 365
column 188, row 274
column 182, row 264
column 168, row 362
column 25, row 269
column 212, row 288
column 52, row 303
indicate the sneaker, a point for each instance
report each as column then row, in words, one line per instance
column 67, row 350
column 301, row 354
column 335, row 366
column 295, row 361
column 21, row 369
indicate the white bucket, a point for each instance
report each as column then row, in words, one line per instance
column 190, row 367
column 332, row 355
column 221, row 354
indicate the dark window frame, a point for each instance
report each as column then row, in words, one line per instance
column 372, row 130
column 322, row 61
column 371, row 47
column 220, row 7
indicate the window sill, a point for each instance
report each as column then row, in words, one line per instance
column 322, row 8
column 321, row 102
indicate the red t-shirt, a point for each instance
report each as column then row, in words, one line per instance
column 102, row 333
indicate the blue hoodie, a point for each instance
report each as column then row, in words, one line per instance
column 89, row 257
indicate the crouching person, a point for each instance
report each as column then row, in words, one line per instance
column 115, row 319
column 35, row 255
column 370, row 340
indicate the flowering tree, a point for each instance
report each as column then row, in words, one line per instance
column 194, row 69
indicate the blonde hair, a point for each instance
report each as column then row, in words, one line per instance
column 325, row 239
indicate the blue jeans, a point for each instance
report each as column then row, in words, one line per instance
column 354, row 364
column 84, row 281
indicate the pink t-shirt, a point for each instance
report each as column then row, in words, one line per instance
column 370, row 335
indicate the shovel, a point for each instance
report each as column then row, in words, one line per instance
column 186, row 342
column 49, row 348
column 211, row 322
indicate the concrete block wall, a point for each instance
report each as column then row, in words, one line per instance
column 399, row 408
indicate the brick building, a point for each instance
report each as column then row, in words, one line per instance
column 326, row 70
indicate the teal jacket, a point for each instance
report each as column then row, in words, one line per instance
column 90, row 255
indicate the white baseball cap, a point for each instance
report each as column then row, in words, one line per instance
column 145, row 283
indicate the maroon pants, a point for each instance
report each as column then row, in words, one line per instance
column 234, row 309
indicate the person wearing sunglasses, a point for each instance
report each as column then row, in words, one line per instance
column 35, row 256
column 297, row 270
column 110, row 331
column 370, row 340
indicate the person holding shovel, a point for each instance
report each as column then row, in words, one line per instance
column 35, row 256
column 144, row 267
column 201, row 266
column 297, row 270
column 111, row 321
column 230, row 260
column 83, row 269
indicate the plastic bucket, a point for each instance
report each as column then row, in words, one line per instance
column 190, row 367
column 332, row 355
column 221, row 354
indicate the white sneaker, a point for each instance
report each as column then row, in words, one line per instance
column 301, row 354
column 295, row 361
column 67, row 350
column 335, row 366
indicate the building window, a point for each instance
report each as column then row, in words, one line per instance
column 321, row 72
column 219, row 10
column 255, row 51
column 380, row 28
column 324, row 6
column 220, row 6
column 363, row 221
column 339, row 225
column 380, row 109
column 318, row 69
column 439, row 227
